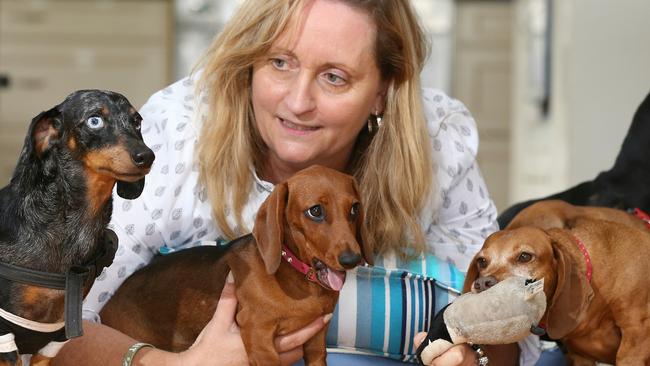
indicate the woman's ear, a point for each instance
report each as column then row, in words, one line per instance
column 379, row 105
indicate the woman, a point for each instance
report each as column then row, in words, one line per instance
column 288, row 84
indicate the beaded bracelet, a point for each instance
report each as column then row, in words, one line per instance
column 130, row 354
column 480, row 355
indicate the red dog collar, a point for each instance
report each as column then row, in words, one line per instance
column 541, row 328
column 642, row 216
column 326, row 277
column 585, row 253
column 299, row 265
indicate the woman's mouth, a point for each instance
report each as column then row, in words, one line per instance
column 297, row 129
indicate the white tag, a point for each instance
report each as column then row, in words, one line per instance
column 533, row 288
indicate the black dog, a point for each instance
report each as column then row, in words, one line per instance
column 625, row 186
column 54, row 213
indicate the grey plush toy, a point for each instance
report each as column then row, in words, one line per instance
column 505, row 313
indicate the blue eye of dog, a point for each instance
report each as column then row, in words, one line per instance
column 315, row 213
column 95, row 122
column 354, row 211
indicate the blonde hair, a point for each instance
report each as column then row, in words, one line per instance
column 393, row 167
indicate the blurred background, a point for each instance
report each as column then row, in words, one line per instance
column 552, row 84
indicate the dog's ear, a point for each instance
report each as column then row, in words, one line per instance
column 572, row 291
column 130, row 190
column 44, row 131
column 363, row 238
column 471, row 276
column 269, row 224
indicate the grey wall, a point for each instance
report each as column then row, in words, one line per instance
column 608, row 74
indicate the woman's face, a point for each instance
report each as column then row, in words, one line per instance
column 314, row 91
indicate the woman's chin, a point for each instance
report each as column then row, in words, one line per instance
column 299, row 157
column 294, row 157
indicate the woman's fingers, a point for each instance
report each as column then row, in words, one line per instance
column 223, row 330
column 227, row 307
column 223, row 319
column 220, row 338
column 418, row 338
column 290, row 346
column 290, row 357
column 458, row 355
column 299, row 337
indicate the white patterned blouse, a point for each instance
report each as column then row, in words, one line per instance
column 396, row 297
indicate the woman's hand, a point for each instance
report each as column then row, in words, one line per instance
column 221, row 340
column 464, row 355
column 458, row 355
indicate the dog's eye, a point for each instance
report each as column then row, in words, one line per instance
column 315, row 213
column 95, row 122
column 481, row 262
column 354, row 211
column 524, row 257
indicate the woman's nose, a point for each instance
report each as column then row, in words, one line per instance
column 300, row 98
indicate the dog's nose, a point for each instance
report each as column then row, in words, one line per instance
column 484, row 283
column 349, row 259
column 143, row 158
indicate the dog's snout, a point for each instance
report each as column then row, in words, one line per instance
column 484, row 283
column 349, row 259
column 143, row 158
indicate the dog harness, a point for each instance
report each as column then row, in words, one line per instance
column 29, row 336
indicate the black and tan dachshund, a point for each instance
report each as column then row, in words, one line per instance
column 54, row 214
column 625, row 186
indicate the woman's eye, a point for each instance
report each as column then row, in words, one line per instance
column 354, row 211
column 279, row 63
column 334, row 79
column 524, row 257
column 315, row 213
column 95, row 122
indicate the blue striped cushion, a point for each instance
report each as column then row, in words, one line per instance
column 380, row 310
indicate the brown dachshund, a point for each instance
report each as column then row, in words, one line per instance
column 594, row 263
column 562, row 215
column 287, row 273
